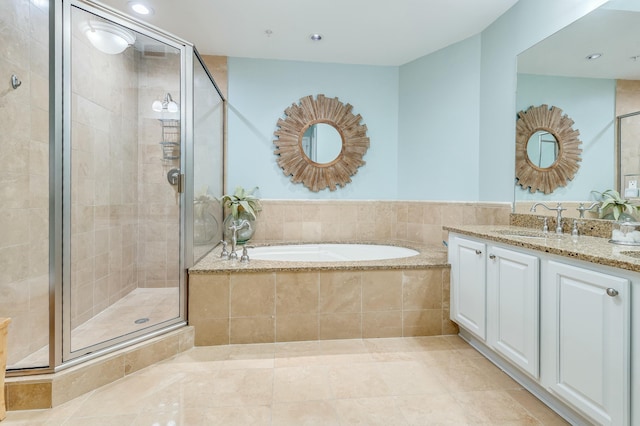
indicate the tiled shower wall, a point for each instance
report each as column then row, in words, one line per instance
column 158, row 208
column 347, row 221
column 104, row 125
column 24, row 182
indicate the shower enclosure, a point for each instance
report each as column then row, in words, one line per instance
column 105, row 206
column 628, row 154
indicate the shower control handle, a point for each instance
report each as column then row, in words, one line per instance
column 173, row 176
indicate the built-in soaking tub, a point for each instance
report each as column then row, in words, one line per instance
column 330, row 252
column 320, row 291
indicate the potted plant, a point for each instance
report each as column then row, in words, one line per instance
column 242, row 205
column 615, row 207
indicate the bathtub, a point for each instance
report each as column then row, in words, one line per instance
column 330, row 252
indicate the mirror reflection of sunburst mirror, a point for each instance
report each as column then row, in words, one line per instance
column 302, row 169
column 564, row 168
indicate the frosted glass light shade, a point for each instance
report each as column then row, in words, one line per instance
column 172, row 107
column 108, row 38
column 156, row 106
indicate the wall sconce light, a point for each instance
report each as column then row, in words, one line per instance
column 108, row 38
column 168, row 104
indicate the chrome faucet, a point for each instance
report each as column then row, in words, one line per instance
column 558, row 209
column 581, row 208
column 234, row 236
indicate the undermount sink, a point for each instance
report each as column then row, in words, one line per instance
column 526, row 233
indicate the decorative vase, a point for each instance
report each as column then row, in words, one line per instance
column 624, row 217
column 245, row 232
column 205, row 225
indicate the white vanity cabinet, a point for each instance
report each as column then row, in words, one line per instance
column 494, row 295
column 561, row 327
column 468, row 294
column 586, row 340
column 512, row 307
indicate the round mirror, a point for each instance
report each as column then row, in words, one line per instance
column 547, row 149
column 321, row 142
column 542, row 149
column 341, row 142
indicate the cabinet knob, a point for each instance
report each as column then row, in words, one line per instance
column 478, row 251
column 612, row 292
column 492, row 256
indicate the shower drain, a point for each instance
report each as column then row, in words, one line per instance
column 141, row 320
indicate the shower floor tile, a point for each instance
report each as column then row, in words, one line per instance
column 155, row 304
column 399, row 381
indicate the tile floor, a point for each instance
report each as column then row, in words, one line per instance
column 396, row 381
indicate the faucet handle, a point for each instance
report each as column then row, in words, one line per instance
column 245, row 254
column 545, row 225
column 224, row 252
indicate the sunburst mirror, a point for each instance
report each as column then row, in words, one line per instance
column 300, row 147
column 547, row 149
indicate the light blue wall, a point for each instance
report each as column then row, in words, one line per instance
column 260, row 91
column 590, row 103
column 438, row 124
column 441, row 127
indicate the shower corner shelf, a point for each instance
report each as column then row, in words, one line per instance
column 170, row 142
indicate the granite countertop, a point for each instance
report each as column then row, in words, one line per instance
column 589, row 249
column 429, row 257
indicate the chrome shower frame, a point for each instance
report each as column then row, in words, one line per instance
column 60, row 354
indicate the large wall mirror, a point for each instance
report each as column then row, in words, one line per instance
column 320, row 143
column 593, row 92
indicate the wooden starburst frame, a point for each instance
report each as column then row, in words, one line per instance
column 542, row 118
column 295, row 163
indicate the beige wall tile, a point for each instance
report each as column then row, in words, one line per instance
column 381, row 290
column 422, row 323
column 340, row 291
column 297, row 292
column 422, row 289
column 252, row 330
column 210, row 331
column 340, row 326
column 252, row 294
column 296, row 327
column 209, row 296
column 382, row 324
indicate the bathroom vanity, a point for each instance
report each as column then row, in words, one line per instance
column 556, row 312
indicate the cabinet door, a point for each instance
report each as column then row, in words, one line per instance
column 468, row 285
column 588, row 324
column 513, row 307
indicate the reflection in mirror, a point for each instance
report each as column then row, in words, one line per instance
column 542, row 149
column 322, row 143
column 594, row 92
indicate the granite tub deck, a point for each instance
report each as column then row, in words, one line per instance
column 596, row 250
column 275, row 301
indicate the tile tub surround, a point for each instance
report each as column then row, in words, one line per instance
column 264, row 302
column 370, row 220
column 50, row 390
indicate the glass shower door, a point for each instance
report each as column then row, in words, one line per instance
column 122, row 200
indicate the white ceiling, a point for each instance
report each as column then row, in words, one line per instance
column 612, row 30
column 371, row 32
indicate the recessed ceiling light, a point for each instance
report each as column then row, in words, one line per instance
column 594, row 56
column 141, row 8
column 315, row 37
